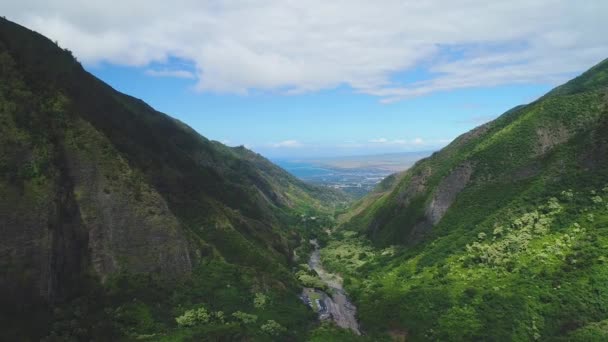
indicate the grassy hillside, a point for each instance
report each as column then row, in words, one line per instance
column 116, row 218
column 500, row 236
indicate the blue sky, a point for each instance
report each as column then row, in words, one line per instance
column 324, row 123
column 327, row 78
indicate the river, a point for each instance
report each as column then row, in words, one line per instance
column 336, row 306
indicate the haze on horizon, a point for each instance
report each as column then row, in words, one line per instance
column 317, row 78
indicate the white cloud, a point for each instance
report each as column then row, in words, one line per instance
column 379, row 140
column 170, row 73
column 287, row 144
column 302, row 46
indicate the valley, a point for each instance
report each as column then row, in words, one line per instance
column 121, row 223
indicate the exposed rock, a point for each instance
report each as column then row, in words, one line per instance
column 446, row 192
column 137, row 237
column 549, row 137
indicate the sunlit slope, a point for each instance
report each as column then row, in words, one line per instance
column 501, row 236
column 553, row 142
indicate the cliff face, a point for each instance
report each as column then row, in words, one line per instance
column 94, row 183
column 69, row 201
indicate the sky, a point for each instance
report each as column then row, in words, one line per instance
column 295, row 78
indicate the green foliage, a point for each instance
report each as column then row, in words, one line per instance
column 273, row 328
column 245, row 318
column 308, row 280
column 460, row 324
column 508, row 243
column 195, row 316
column 522, row 275
column 75, row 154
column 593, row 332
column 329, row 332
column 524, row 148
column 533, row 216
column 260, row 300
column 348, row 254
column 135, row 318
column 518, row 254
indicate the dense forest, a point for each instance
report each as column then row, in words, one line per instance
column 499, row 236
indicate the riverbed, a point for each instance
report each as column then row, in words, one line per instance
column 335, row 305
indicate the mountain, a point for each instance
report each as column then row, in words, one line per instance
column 115, row 217
column 541, row 145
column 501, row 235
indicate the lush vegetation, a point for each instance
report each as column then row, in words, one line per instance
column 519, row 253
column 538, row 145
column 536, row 275
column 120, row 222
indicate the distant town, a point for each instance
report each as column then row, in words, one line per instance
column 355, row 175
column 356, row 182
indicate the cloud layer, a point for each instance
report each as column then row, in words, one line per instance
column 170, row 73
column 302, row 46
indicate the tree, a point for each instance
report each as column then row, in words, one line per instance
column 193, row 317
column 273, row 328
column 260, row 300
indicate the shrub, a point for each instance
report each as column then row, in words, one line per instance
column 597, row 331
column 273, row 328
column 260, row 300
column 567, row 195
column 193, row 317
column 218, row 316
column 245, row 318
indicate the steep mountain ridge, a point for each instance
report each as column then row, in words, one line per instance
column 96, row 185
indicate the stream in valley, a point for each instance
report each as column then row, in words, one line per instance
column 335, row 305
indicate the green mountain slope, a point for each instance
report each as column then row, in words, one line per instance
column 121, row 217
column 543, row 144
column 502, row 235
